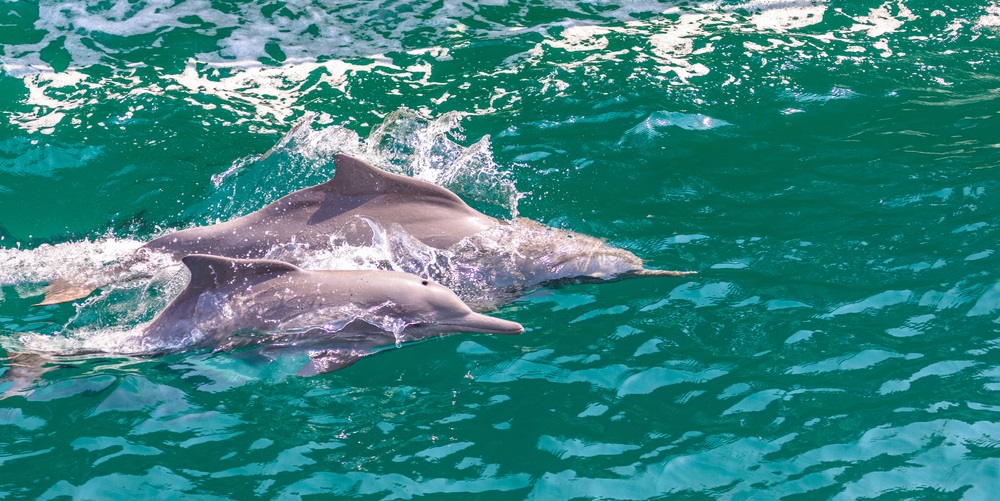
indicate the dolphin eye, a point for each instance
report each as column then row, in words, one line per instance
column 423, row 282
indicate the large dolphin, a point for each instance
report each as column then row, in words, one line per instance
column 337, row 317
column 360, row 202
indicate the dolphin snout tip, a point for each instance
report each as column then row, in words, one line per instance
column 510, row 328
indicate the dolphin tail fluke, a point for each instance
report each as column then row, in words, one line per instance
column 62, row 291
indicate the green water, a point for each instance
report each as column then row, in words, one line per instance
column 826, row 167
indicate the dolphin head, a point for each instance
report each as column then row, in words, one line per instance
column 556, row 253
column 442, row 312
column 599, row 260
column 592, row 259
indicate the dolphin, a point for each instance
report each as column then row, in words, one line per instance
column 361, row 201
column 337, row 316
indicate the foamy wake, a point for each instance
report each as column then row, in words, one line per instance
column 30, row 269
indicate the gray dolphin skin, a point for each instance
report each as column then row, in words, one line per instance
column 360, row 198
column 340, row 316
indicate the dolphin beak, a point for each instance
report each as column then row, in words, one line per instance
column 476, row 322
column 646, row 272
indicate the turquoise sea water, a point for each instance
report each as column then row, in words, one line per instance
column 827, row 167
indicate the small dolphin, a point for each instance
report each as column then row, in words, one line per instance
column 361, row 199
column 336, row 316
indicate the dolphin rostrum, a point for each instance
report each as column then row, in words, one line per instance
column 438, row 235
column 336, row 316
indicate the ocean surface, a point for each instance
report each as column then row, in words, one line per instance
column 830, row 170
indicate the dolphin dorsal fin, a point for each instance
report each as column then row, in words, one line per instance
column 355, row 177
column 210, row 272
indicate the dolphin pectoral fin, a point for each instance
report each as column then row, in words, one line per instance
column 330, row 360
column 62, row 291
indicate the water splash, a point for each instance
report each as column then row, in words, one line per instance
column 406, row 142
column 30, row 269
column 410, row 143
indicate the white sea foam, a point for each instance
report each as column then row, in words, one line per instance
column 784, row 15
column 262, row 61
column 883, row 20
column 674, row 47
column 581, row 38
column 273, row 92
column 246, row 32
column 991, row 19
column 312, row 41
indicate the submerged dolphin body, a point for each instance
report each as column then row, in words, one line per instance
column 439, row 236
column 336, row 316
